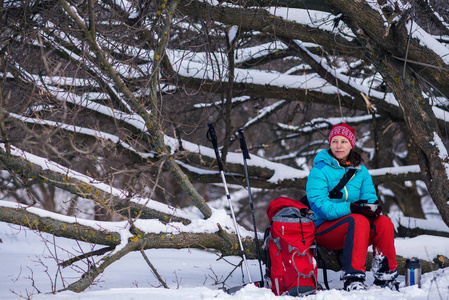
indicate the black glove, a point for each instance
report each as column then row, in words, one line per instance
column 358, row 208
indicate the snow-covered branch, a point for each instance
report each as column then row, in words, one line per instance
column 37, row 168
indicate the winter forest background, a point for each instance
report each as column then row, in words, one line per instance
column 104, row 106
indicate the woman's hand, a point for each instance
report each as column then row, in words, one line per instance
column 359, row 208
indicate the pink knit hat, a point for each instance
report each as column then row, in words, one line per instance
column 345, row 130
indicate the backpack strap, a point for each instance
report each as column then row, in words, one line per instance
column 335, row 193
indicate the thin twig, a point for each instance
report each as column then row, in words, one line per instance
column 422, row 64
column 86, row 255
column 153, row 269
column 408, row 45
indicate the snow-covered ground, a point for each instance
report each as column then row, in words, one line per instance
column 29, row 271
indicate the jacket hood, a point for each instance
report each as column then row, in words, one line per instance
column 324, row 157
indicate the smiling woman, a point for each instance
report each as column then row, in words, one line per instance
column 345, row 220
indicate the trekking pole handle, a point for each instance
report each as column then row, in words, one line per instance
column 243, row 144
column 212, row 137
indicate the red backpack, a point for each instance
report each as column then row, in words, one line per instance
column 291, row 267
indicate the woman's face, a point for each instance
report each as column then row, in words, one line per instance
column 340, row 147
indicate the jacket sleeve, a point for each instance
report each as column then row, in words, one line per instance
column 367, row 190
column 318, row 195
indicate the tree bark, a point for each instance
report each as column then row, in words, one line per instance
column 423, row 130
column 394, row 39
column 260, row 19
column 382, row 49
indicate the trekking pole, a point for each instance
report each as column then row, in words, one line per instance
column 251, row 205
column 212, row 137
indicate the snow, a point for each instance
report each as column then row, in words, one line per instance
column 428, row 246
column 442, row 152
column 434, row 225
column 29, row 265
column 428, row 41
column 395, row 170
column 189, row 273
column 314, row 19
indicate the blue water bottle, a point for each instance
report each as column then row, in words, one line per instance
column 412, row 272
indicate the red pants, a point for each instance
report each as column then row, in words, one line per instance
column 354, row 233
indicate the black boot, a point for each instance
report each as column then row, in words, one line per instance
column 383, row 277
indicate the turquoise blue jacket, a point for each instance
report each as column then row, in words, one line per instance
column 324, row 176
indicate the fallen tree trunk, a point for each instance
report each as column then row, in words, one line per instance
column 332, row 259
column 224, row 242
column 412, row 227
column 96, row 232
column 403, row 231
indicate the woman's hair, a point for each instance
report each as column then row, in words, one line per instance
column 354, row 158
